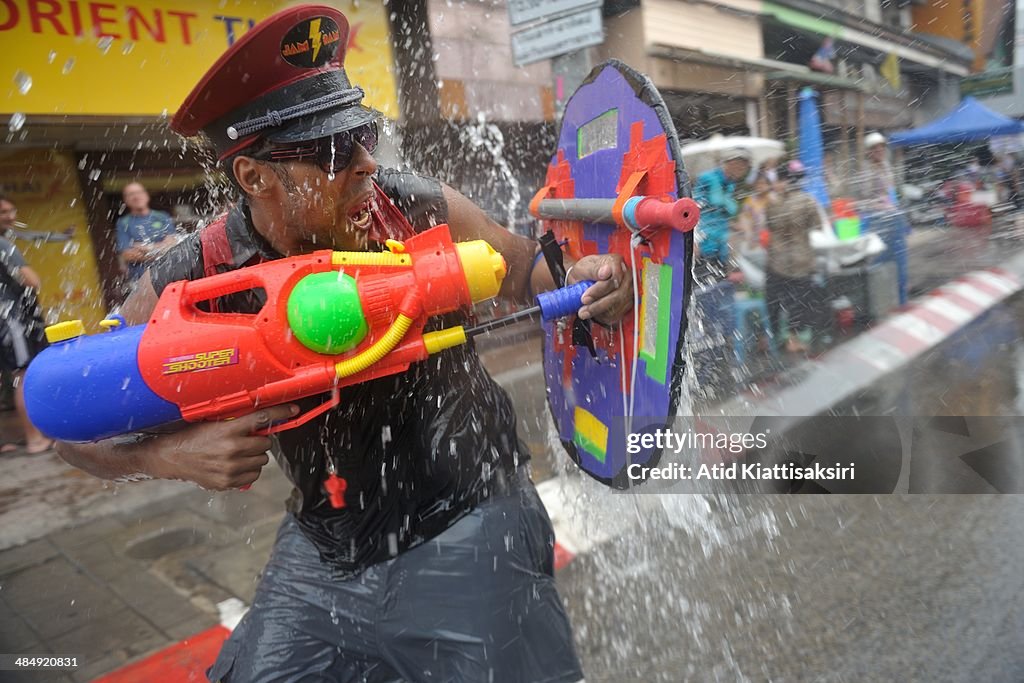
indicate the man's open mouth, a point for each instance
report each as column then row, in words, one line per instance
column 360, row 216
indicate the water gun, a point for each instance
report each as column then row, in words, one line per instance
column 331, row 319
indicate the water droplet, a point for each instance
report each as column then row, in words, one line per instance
column 16, row 122
column 52, row 56
column 94, row 174
column 68, row 66
column 24, row 81
column 128, row 47
column 104, row 44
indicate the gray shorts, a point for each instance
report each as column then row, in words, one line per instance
column 476, row 603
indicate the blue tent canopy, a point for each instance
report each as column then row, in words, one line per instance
column 971, row 121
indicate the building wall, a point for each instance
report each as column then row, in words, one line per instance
column 473, row 63
column 698, row 29
column 959, row 20
column 714, row 29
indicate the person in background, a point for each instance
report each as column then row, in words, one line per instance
column 21, row 331
column 715, row 191
column 823, row 58
column 769, row 168
column 12, row 229
column 142, row 233
column 789, row 287
column 1010, row 178
column 875, row 185
column 879, row 207
column 836, row 176
column 753, row 221
column 975, row 173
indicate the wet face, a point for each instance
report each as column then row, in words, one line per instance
column 315, row 209
column 8, row 214
column 136, row 198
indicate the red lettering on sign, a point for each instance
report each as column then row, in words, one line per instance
column 36, row 15
column 98, row 20
column 183, row 18
column 76, row 18
column 156, row 30
column 12, row 15
column 353, row 32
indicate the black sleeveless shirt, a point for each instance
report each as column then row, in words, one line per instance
column 418, row 449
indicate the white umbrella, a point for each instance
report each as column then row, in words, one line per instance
column 705, row 155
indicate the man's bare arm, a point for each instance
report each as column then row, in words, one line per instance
column 139, row 254
column 607, row 300
column 29, row 278
column 468, row 222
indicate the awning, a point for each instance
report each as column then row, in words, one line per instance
column 971, row 121
column 808, row 77
column 884, row 44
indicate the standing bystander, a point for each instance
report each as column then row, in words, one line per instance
column 142, row 233
column 21, row 330
column 715, row 191
column 790, row 288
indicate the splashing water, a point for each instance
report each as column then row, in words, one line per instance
column 330, row 175
column 487, row 137
column 23, row 81
column 17, row 122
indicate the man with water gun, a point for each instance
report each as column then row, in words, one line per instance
column 438, row 567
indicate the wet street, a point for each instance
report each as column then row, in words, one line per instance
column 711, row 587
column 842, row 588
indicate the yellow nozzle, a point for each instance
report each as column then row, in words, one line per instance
column 69, row 329
column 484, row 269
column 444, row 339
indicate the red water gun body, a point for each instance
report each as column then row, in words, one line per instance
column 223, row 365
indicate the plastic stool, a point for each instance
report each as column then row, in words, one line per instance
column 743, row 310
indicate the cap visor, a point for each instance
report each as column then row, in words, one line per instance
column 322, row 124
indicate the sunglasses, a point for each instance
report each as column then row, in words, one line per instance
column 333, row 154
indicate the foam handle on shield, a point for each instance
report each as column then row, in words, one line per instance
column 559, row 303
column 648, row 212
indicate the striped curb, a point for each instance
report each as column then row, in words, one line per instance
column 185, row 661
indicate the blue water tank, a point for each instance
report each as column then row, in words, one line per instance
column 89, row 388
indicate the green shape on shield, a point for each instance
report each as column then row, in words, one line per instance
column 656, row 319
column 325, row 314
